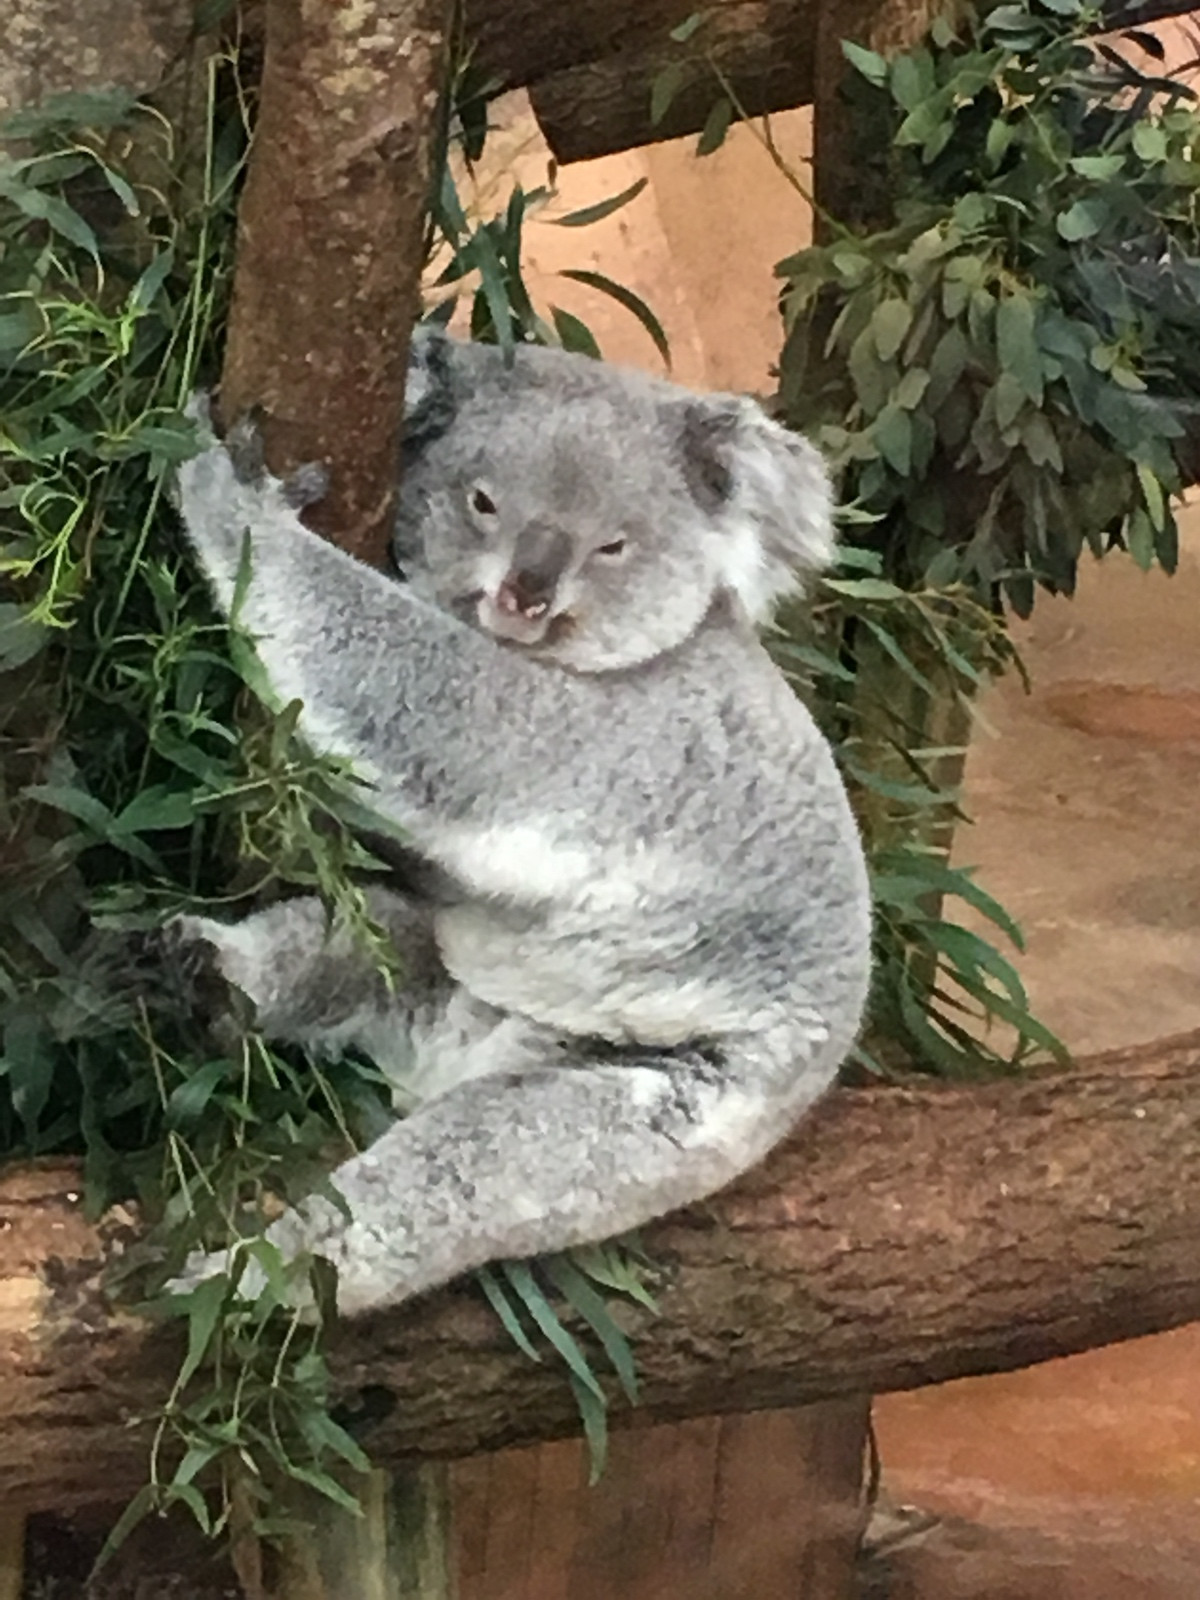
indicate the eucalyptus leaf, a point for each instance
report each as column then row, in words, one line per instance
column 586, row 215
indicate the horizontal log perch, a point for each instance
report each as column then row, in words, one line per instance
column 590, row 64
column 900, row 1238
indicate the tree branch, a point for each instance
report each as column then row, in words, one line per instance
column 329, row 256
column 900, row 1238
column 590, row 65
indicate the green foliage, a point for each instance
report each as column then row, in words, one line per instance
column 897, row 643
column 487, row 253
column 892, row 674
column 1007, row 369
column 140, row 773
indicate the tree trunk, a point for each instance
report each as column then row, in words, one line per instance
column 901, row 1237
column 330, row 247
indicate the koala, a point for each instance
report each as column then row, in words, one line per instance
column 642, row 948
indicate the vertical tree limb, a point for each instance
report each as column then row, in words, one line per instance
column 330, row 243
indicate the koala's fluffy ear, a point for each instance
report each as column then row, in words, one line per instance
column 430, row 389
column 767, row 493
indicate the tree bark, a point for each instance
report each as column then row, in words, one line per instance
column 329, row 257
column 763, row 48
column 900, row 1238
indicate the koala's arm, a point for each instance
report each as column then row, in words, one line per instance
column 435, row 713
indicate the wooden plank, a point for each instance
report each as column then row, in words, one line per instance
column 768, row 1504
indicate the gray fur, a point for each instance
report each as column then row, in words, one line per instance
column 649, row 950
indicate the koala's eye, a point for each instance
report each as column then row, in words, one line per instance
column 616, row 548
column 482, row 502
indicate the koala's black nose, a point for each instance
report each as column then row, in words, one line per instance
column 527, row 592
column 541, row 556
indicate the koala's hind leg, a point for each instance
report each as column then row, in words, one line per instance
column 310, row 983
column 520, row 1163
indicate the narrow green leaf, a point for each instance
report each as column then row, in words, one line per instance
column 1139, row 538
column 869, row 63
column 146, row 1500
column 326, row 1486
column 574, row 334
column 893, row 436
column 716, row 126
column 663, row 90
column 583, row 1298
column 633, row 303
column 146, row 290
column 21, row 638
column 204, row 1304
column 187, row 1494
column 890, row 647
column 684, row 30
column 56, row 213
column 610, row 1264
column 320, row 1429
column 501, row 1305
column 890, row 321
column 525, row 1286
column 1008, row 399
column 999, row 137
column 195, row 1459
column 189, row 1099
column 602, row 208
column 593, row 1413
column 1005, row 1010
column 156, row 808
column 864, row 588
column 1017, row 346
column 1152, row 492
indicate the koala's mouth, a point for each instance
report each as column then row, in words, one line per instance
column 533, row 623
column 507, row 615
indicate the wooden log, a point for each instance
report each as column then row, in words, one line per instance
column 901, row 1237
column 590, row 83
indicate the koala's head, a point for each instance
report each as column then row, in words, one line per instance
column 592, row 515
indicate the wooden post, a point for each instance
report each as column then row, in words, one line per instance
column 767, row 1504
column 12, row 1555
column 398, row 1549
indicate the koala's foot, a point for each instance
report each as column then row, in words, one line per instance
column 174, row 971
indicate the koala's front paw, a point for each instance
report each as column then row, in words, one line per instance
column 308, row 484
column 244, row 445
column 201, row 1265
column 291, row 1283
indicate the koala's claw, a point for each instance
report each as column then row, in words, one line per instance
column 201, row 1265
column 245, row 447
column 252, row 1280
column 308, row 484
